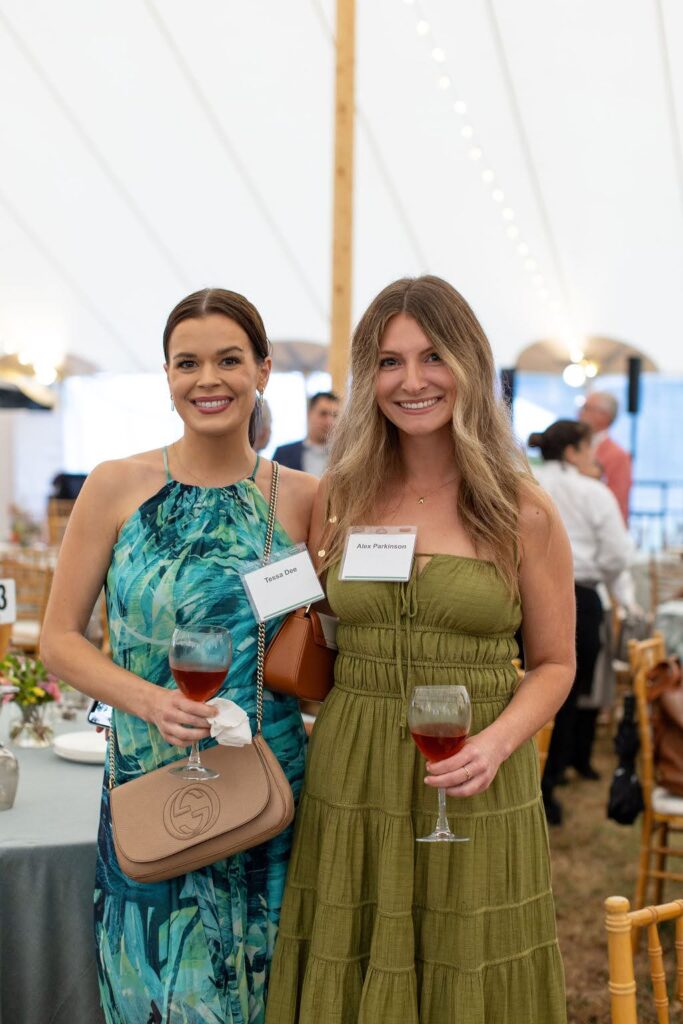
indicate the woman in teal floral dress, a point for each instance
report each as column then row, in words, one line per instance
column 167, row 530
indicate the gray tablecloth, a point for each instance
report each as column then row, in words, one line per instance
column 47, row 870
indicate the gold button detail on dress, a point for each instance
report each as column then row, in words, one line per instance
column 321, row 553
column 332, row 519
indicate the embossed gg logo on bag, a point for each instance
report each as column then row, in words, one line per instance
column 190, row 811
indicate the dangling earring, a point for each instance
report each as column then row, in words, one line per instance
column 172, row 404
column 259, row 400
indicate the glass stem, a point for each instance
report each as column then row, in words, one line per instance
column 194, row 761
column 442, row 821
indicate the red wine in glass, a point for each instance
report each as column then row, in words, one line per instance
column 197, row 682
column 199, row 658
column 439, row 740
column 439, row 719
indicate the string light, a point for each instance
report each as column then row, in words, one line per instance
column 475, row 153
column 574, row 375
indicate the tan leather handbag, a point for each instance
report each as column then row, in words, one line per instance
column 298, row 660
column 164, row 826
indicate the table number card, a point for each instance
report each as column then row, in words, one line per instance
column 380, row 553
column 8, row 602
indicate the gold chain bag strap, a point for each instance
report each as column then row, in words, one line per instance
column 164, row 826
column 299, row 661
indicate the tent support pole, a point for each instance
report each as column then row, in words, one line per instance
column 342, row 243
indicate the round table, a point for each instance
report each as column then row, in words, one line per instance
column 47, row 870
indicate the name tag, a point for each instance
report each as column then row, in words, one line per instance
column 379, row 553
column 8, row 602
column 285, row 583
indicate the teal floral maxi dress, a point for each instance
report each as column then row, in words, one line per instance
column 194, row 949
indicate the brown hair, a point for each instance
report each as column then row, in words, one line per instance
column 366, row 453
column 559, row 436
column 233, row 306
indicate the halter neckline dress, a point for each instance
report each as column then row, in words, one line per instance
column 194, row 949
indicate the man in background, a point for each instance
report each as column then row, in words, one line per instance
column 311, row 454
column 599, row 411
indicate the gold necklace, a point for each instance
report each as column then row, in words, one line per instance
column 421, row 498
column 185, row 470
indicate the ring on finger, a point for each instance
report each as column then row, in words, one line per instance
column 468, row 773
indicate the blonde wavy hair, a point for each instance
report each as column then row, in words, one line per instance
column 366, row 452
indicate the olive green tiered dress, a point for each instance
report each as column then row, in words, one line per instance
column 375, row 927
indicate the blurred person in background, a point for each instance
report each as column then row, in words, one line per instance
column 264, row 428
column 599, row 411
column 602, row 549
column 312, row 453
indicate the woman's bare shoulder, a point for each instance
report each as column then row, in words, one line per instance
column 304, row 485
column 129, row 471
column 537, row 513
column 115, row 488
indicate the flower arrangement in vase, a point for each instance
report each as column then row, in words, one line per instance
column 36, row 688
column 24, row 530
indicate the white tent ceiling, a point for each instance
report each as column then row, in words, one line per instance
column 152, row 147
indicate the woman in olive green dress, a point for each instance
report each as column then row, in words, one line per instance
column 376, row 927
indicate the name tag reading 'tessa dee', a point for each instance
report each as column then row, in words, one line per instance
column 379, row 553
column 287, row 582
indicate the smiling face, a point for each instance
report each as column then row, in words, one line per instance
column 213, row 374
column 414, row 388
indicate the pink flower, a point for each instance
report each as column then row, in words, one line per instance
column 51, row 686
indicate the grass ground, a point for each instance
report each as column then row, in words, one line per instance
column 594, row 858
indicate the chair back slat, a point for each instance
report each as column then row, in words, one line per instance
column 646, row 654
column 679, row 959
column 654, row 952
column 58, row 512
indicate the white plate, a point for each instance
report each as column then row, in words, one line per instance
column 87, row 747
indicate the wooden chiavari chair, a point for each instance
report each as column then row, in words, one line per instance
column 663, row 814
column 33, row 581
column 58, row 512
column 621, row 922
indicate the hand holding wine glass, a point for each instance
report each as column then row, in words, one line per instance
column 439, row 718
column 199, row 658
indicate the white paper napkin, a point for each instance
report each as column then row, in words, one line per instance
column 231, row 725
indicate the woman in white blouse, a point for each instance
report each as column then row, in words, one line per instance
column 602, row 549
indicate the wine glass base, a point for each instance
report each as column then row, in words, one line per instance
column 442, row 837
column 194, row 773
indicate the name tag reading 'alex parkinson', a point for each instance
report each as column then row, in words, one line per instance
column 288, row 581
column 379, row 553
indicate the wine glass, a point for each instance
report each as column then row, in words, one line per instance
column 439, row 718
column 199, row 658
